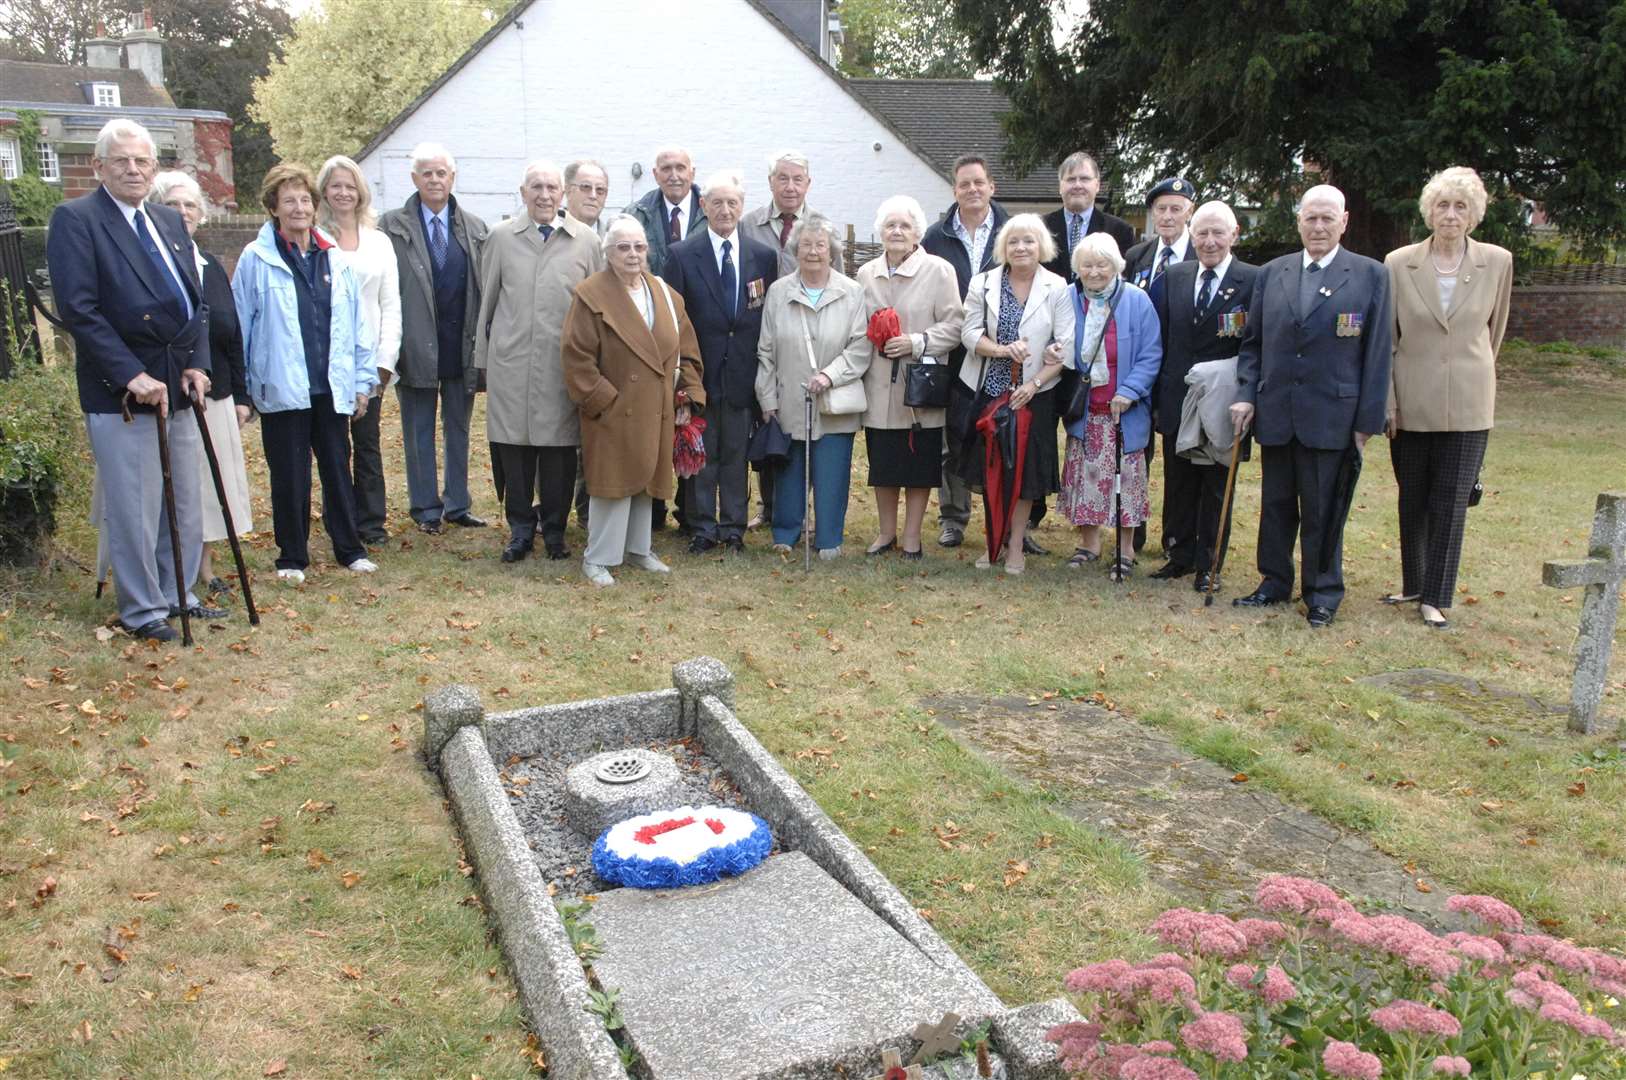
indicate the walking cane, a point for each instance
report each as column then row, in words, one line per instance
column 169, row 512
column 225, row 512
column 807, row 479
column 1220, row 545
column 1118, row 573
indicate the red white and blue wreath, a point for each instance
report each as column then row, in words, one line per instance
column 687, row 846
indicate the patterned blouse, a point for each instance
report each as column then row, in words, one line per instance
column 998, row 378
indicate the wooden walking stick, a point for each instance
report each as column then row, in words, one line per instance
column 1220, row 545
column 225, row 511
column 169, row 513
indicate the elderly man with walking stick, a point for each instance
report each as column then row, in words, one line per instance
column 128, row 289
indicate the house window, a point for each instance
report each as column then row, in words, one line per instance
column 10, row 160
column 104, row 94
column 48, row 162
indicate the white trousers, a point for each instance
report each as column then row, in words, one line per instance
column 616, row 528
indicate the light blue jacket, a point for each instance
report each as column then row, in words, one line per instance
column 268, row 311
column 1140, row 355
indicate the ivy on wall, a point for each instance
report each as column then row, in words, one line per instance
column 32, row 197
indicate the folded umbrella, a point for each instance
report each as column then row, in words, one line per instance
column 1343, row 497
column 883, row 327
column 768, row 445
column 689, row 448
column 1004, row 441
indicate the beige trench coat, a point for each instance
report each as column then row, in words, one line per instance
column 926, row 295
column 838, row 323
column 526, row 290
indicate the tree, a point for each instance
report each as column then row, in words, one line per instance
column 55, row 30
column 347, row 71
column 903, row 39
column 1376, row 95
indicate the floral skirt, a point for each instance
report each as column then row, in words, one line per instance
column 1086, row 478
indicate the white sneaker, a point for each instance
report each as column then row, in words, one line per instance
column 363, row 566
column 830, row 554
column 649, row 562
column 291, row 577
column 598, row 575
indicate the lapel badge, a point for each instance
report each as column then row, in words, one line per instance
column 1324, row 291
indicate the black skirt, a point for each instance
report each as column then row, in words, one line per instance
column 893, row 463
column 1041, row 466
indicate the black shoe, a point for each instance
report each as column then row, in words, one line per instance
column 881, row 549
column 952, row 536
column 219, row 587
column 912, row 556
column 699, row 545
column 1140, row 537
column 517, row 549
column 1258, row 598
column 198, row 611
column 1031, row 546
column 1171, row 570
column 1442, row 623
column 430, row 527
column 157, row 630
column 467, row 520
column 371, row 539
column 558, row 551
column 735, row 545
column 1201, row 582
column 1319, row 617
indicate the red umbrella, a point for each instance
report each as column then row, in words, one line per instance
column 1005, row 443
column 884, row 326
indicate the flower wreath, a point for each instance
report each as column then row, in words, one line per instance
column 686, row 846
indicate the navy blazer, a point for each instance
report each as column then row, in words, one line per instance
column 728, row 344
column 1189, row 339
column 1320, row 375
column 1100, row 221
column 122, row 315
column 1138, row 260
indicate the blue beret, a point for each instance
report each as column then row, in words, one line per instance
column 1173, row 185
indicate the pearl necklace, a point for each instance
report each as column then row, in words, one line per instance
column 1451, row 272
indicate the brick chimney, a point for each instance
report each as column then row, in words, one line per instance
column 144, row 48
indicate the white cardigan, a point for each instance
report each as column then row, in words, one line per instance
column 373, row 263
column 1047, row 318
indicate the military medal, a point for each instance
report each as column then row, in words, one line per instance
column 1349, row 324
column 1231, row 323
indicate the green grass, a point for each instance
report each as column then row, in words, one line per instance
column 255, row 945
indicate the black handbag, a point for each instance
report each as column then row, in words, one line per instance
column 768, row 444
column 1078, row 401
column 926, row 386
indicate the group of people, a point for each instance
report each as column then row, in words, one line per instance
column 959, row 351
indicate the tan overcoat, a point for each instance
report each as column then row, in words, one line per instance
column 926, row 295
column 526, row 288
column 1444, row 372
column 621, row 376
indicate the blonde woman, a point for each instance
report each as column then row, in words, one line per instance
column 346, row 213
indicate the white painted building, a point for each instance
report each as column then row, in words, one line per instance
column 616, row 79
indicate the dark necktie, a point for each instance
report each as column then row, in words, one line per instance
column 158, row 263
column 1075, row 225
column 1307, row 287
column 1162, row 262
column 731, row 284
column 437, row 242
column 546, row 231
column 674, row 232
column 786, row 221
column 1205, row 295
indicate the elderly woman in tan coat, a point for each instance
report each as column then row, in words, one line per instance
column 813, row 342
column 627, row 345
column 1451, row 297
column 905, row 445
column 531, row 267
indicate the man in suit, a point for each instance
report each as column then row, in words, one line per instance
column 723, row 277
column 438, row 247
column 1169, row 206
column 965, row 237
column 1313, row 380
column 1080, row 180
column 1201, row 307
column 127, row 286
column 673, row 211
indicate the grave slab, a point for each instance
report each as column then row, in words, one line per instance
column 778, row 973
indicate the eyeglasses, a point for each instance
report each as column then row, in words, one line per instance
column 625, row 246
column 142, row 163
column 592, row 189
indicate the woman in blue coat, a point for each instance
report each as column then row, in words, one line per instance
column 1117, row 349
column 310, row 367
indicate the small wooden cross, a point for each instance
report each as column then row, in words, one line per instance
column 938, row 1039
column 892, row 1068
column 1601, row 573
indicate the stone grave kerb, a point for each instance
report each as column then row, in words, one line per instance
column 696, row 680
column 445, row 712
column 1601, row 573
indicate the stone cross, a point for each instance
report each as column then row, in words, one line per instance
column 1601, row 573
column 892, row 1068
column 936, row 1038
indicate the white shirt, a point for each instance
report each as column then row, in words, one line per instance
column 1179, row 247
column 129, row 213
column 1083, row 223
column 1322, row 262
column 683, row 217
column 733, row 239
column 975, row 242
column 1219, row 278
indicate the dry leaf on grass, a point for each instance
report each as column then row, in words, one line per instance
column 1015, row 871
column 275, row 1067
column 351, row 878
column 349, row 972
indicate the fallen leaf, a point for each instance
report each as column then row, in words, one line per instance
column 193, row 992
column 351, row 879
column 1014, row 872
column 314, row 858
column 143, row 896
column 88, row 707
column 46, row 890
column 1239, row 778
column 969, row 887
column 349, row 972
column 1423, row 886
column 276, row 1067
column 1577, row 789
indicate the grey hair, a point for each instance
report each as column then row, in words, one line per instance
column 1073, row 161
column 1324, row 191
column 723, row 178
column 1028, row 223
column 541, row 166
column 122, row 128
column 366, row 216
column 425, row 152
column 173, row 180
column 1217, row 209
column 665, row 150
column 1457, row 180
column 620, row 224
column 576, row 166
column 795, row 157
column 902, row 204
column 1101, row 244
column 813, row 223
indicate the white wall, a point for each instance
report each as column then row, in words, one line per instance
column 616, row 79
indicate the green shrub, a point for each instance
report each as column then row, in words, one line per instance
column 34, row 199
column 40, row 440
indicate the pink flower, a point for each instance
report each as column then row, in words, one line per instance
column 1214, row 935
column 1577, row 1021
column 1560, row 954
column 1157, row 1046
column 1099, row 978
column 1484, row 950
column 1489, row 909
column 1154, row 1068
column 1543, row 991
column 1296, row 896
column 1275, row 987
column 1260, row 932
column 1347, row 1062
column 1416, row 1018
column 1401, row 938
column 1164, row 985
column 1450, row 1066
column 1219, row 1034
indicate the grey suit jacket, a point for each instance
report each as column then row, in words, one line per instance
column 1321, row 374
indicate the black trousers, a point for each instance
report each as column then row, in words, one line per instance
column 537, row 485
column 367, row 470
column 1192, row 498
column 1436, row 471
column 717, row 498
column 290, row 438
column 1296, row 491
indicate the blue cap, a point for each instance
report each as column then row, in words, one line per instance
column 1173, row 185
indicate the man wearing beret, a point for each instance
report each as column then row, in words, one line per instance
column 1168, row 205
